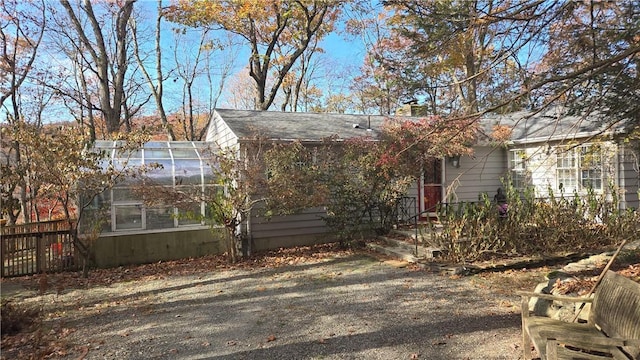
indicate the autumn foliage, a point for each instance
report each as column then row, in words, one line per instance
column 278, row 32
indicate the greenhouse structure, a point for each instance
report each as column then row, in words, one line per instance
column 132, row 232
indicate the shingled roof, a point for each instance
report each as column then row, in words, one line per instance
column 299, row 126
column 550, row 124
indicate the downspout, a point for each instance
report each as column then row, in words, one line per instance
column 249, row 238
column 620, row 178
column 443, row 177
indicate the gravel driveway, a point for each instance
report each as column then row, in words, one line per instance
column 345, row 307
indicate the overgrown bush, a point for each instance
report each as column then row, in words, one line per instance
column 534, row 226
column 14, row 319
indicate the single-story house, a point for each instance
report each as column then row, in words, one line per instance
column 238, row 128
column 548, row 149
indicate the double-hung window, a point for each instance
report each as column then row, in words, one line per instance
column 591, row 167
column 566, row 169
column 518, row 167
column 579, row 168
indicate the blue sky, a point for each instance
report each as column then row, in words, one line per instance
column 339, row 53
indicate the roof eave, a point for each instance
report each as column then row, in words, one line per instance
column 557, row 138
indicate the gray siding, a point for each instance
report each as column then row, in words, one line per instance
column 304, row 228
column 477, row 174
column 629, row 177
column 413, row 205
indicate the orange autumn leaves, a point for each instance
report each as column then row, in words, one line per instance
column 411, row 141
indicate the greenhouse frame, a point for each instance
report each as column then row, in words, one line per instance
column 178, row 164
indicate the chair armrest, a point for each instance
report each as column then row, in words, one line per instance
column 528, row 295
column 596, row 347
column 555, row 297
column 558, row 350
column 590, row 341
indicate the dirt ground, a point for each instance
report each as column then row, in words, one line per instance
column 304, row 303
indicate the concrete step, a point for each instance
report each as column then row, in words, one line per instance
column 423, row 234
column 402, row 253
column 409, row 247
column 399, row 253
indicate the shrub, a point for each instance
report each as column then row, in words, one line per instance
column 534, row 226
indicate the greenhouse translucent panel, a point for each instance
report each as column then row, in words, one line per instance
column 128, row 153
column 105, row 163
column 181, row 144
column 162, row 175
column 156, row 154
column 124, row 194
column 188, row 172
column 121, row 164
column 156, row 144
column 186, row 217
column 169, row 164
column 208, row 174
column 96, row 219
column 184, row 153
column 204, row 149
column 160, row 218
column 102, row 144
column 101, row 200
column 128, row 217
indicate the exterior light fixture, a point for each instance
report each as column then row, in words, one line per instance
column 454, row 161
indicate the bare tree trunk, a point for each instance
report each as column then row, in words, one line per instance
column 157, row 89
column 260, row 64
column 111, row 89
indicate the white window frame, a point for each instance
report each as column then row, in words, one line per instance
column 571, row 163
column 518, row 167
column 592, row 165
column 124, row 204
column 566, row 169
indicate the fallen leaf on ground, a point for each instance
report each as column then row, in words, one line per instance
column 85, row 351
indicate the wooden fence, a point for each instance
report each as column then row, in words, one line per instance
column 37, row 247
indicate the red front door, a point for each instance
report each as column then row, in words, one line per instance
column 432, row 185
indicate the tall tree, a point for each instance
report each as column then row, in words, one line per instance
column 592, row 58
column 301, row 92
column 240, row 92
column 22, row 29
column 289, row 25
column 156, row 83
column 110, row 68
column 376, row 88
column 21, row 32
column 448, row 51
column 500, row 55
